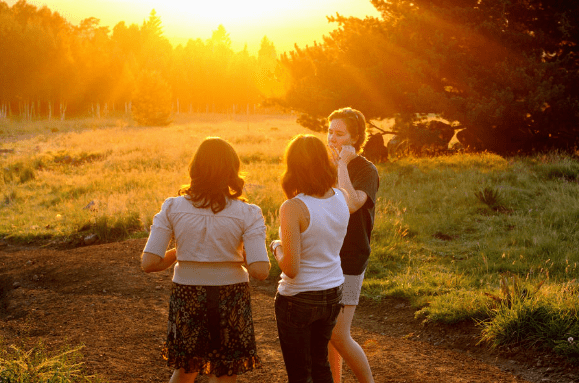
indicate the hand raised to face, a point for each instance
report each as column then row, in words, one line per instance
column 335, row 154
column 347, row 154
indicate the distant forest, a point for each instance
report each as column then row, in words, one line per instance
column 50, row 68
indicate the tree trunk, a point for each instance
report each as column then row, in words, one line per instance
column 128, row 107
column 247, row 116
column 25, row 110
column 63, row 106
column 49, row 110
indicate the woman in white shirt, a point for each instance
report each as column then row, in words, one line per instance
column 313, row 223
column 220, row 241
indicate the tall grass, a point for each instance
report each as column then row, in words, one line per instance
column 447, row 231
column 124, row 173
column 38, row 366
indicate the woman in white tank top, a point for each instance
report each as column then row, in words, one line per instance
column 313, row 223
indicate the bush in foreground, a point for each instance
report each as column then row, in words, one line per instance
column 37, row 365
column 549, row 320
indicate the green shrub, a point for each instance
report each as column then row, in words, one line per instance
column 21, row 171
column 490, row 196
column 456, row 306
column 117, row 227
column 549, row 320
column 38, row 366
column 569, row 344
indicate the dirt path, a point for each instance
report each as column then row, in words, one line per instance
column 98, row 296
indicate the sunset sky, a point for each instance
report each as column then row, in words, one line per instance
column 284, row 22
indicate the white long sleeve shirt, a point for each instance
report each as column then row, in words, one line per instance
column 203, row 237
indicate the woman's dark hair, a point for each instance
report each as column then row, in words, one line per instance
column 355, row 123
column 214, row 172
column 308, row 167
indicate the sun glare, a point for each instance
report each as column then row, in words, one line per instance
column 227, row 12
column 247, row 22
column 284, row 22
column 233, row 11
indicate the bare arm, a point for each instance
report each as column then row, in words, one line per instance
column 259, row 270
column 151, row 263
column 288, row 255
column 355, row 198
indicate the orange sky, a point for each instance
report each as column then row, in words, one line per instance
column 284, row 22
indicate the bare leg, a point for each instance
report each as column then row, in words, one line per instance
column 349, row 349
column 222, row 379
column 335, row 363
column 179, row 376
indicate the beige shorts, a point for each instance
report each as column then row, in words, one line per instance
column 351, row 289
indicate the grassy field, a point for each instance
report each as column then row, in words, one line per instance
column 467, row 236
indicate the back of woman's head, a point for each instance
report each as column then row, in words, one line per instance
column 214, row 173
column 308, row 167
column 355, row 123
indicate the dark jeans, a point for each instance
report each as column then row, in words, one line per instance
column 304, row 324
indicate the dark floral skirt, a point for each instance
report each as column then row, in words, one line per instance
column 210, row 330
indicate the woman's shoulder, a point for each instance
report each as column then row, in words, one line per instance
column 339, row 192
column 176, row 201
column 341, row 195
column 295, row 209
column 171, row 201
column 294, row 205
column 177, row 198
column 295, row 201
column 243, row 207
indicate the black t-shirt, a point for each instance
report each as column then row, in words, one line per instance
column 356, row 248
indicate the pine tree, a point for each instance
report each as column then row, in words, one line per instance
column 152, row 100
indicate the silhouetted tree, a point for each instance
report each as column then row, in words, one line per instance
column 506, row 71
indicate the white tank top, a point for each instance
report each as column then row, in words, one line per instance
column 320, row 266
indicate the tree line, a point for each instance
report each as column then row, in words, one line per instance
column 51, row 68
column 504, row 72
